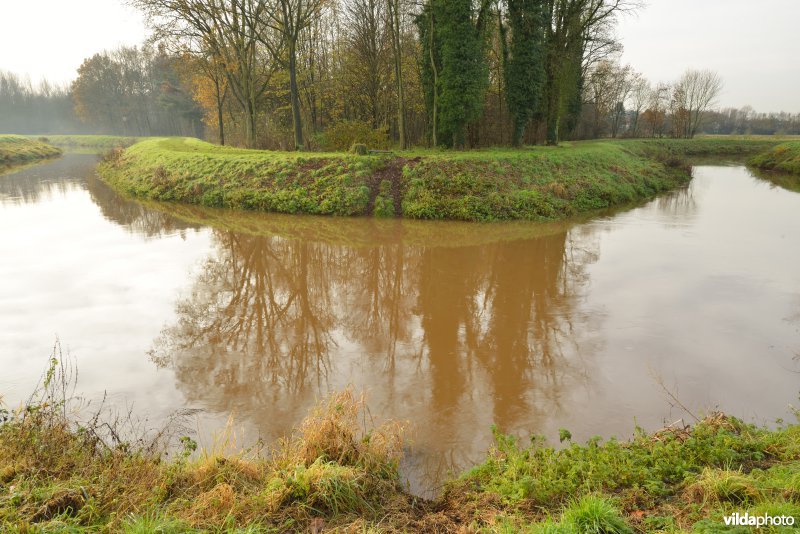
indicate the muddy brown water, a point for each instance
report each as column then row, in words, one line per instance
column 453, row 327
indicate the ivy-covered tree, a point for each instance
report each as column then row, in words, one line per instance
column 524, row 66
column 577, row 36
column 430, row 65
column 464, row 75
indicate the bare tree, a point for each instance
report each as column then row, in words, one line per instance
column 395, row 29
column 638, row 98
column 226, row 28
column 656, row 112
column 367, row 40
column 289, row 18
column 699, row 90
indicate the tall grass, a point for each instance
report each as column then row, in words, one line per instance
column 63, row 462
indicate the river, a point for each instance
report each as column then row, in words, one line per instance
column 453, row 327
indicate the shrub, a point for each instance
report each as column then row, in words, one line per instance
column 342, row 135
column 359, row 149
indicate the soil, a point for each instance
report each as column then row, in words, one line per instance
column 392, row 171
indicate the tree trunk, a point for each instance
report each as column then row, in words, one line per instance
column 518, row 133
column 220, row 122
column 553, row 116
column 295, row 98
column 249, row 128
column 553, row 102
column 435, row 85
column 398, row 72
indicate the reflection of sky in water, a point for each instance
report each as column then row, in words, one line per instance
column 450, row 326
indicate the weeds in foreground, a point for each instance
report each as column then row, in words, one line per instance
column 64, row 467
column 59, row 466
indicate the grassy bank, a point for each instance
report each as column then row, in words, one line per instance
column 536, row 183
column 17, row 149
column 334, row 474
column 189, row 170
column 539, row 183
column 784, row 158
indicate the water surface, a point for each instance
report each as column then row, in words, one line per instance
column 453, row 327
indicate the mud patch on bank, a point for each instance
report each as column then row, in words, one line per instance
column 387, row 187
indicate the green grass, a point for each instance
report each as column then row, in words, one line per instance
column 189, row 170
column 537, row 183
column 18, row 149
column 59, row 474
column 675, row 478
column 784, row 158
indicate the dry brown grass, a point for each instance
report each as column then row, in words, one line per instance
column 60, row 467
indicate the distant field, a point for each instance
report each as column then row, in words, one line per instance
column 16, row 148
column 775, row 137
column 88, row 141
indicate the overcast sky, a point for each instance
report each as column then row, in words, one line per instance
column 752, row 45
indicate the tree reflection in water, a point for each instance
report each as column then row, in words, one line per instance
column 453, row 337
column 134, row 216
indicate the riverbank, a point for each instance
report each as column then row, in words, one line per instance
column 536, row 183
column 333, row 473
column 783, row 158
column 18, row 149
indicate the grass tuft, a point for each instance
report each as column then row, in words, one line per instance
column 593, row 514
column 723, row 485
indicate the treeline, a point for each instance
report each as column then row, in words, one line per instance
column 300, row 73
column 132, row 91
column 746, row 121
column 27, row 108
column 136, row 91
column 322, row 74
column 619, row 102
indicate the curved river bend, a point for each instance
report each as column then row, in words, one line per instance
column 453, row 327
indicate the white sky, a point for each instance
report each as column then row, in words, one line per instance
column 754, row 46
column 51, row 38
